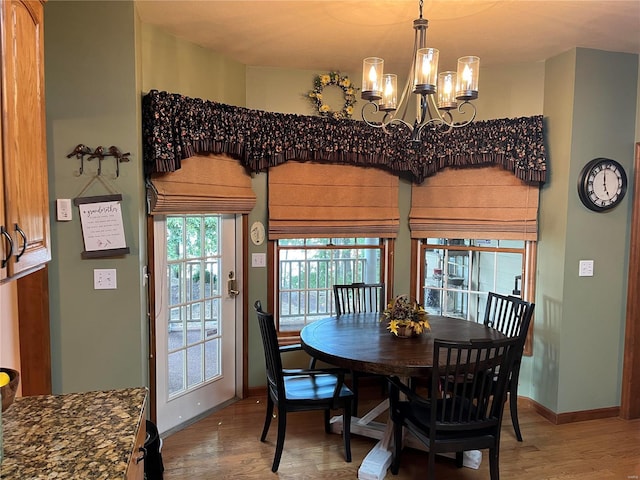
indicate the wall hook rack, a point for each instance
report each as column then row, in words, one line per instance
column 98, row 153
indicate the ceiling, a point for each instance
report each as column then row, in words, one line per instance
column 337, row 35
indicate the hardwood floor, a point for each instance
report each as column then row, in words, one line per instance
column 226, row 445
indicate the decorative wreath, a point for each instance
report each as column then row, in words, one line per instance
column 342, row 81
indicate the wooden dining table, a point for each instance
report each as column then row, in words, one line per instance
column 362, row 342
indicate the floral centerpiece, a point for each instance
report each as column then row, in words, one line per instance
column 406, row 318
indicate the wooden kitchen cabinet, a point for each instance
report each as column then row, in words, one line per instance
column 5, row 238
column 135, row 471
column 24, row 215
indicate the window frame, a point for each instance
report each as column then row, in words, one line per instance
column 529, row 261
column 291, row 337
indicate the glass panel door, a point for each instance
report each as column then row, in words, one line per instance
column 195, row 316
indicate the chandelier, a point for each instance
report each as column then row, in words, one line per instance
column 438, row 95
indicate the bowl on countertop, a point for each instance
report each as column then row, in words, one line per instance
column 9, row 390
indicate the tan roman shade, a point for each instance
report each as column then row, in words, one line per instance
column 332, row 200
column 478, row 203
column 204, row 184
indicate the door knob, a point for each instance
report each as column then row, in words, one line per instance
column 232, row 285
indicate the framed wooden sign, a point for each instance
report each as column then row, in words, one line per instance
column 102, row 228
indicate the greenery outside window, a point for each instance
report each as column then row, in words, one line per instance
column 308, row 268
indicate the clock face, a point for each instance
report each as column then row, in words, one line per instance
column 602, row 184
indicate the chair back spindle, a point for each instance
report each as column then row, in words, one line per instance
column 472, row 371
column 358, row 298
column 511, row 316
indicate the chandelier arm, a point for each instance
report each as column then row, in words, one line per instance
column 446, row 117
column 375, row 109
column 436, row 123
column 461, row 109
column 441, row 118
column 398, row 121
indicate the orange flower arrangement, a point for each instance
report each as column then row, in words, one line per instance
column 403, row 314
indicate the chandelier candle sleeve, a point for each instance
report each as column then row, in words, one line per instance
column 389, row 100
column 447, row 83
column 372, row 72
column 468, row 73
column 426, row 71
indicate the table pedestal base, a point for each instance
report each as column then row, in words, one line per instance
column 376, row 463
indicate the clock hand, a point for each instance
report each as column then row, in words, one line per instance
column 604, row 183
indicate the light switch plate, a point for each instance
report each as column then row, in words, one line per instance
column 258, row 259
column 586, row 268
column 104, row 279
column 63, row 209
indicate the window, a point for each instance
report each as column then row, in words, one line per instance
column 457, row 274
column 193, row 269
column 308, row 268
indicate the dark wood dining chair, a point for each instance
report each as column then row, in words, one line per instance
column 298, row 390
column 359, row 298
column 511, row 316
column 465, row 407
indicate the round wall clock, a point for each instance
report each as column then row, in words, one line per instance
column 257, row 233
column 602, row 184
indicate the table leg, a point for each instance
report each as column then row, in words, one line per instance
column 378, row 460
column 365, row 426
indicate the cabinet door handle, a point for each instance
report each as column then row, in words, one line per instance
column 24, row 242
column 5, row 234
column 143, row 456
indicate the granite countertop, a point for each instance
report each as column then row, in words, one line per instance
column 78, row 436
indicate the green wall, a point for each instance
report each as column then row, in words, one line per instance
column 558, row 111
column 579, row 330
column 601, row 127
column 98, row 337
column 106, row 331
column 173, row 65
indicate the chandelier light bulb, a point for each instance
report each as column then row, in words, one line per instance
column 447, row 86
column 466, row 76
column 426, row 67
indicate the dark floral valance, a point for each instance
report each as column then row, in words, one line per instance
column 176, row 127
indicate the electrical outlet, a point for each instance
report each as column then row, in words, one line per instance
column 104, row 279
column 63, row 209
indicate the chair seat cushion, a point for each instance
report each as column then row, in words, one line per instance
column 313, row 387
